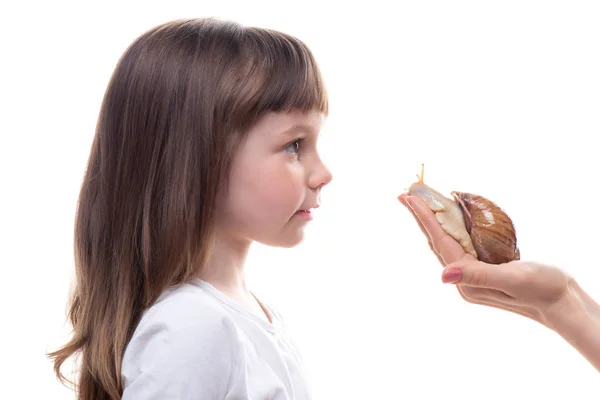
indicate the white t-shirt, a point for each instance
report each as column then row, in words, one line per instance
column 196, row 343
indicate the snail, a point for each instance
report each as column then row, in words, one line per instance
column 482, row 228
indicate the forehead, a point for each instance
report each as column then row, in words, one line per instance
column 276, row 124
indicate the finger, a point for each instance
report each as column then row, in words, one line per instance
column 448, row 248
column 488, row 298
column 478, row 274
column 497, row 299
column 498, row 293
column 402, row 199
column 431, row 247
column 494, row 295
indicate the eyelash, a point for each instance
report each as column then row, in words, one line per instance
column 297, row 142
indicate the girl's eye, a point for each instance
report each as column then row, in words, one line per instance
column 293, row 147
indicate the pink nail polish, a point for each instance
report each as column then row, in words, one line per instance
column 452, row 275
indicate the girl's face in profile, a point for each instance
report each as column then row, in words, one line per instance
column 276, row 179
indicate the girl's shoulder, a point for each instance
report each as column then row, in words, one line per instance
column 185, row 343
column 185, row 307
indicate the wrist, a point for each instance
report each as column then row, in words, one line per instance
column 576, row 318
column 569, row 311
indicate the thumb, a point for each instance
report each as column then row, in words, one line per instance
column 477, row 274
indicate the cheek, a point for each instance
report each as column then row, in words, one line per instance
column 268, row 191
column 276, row 188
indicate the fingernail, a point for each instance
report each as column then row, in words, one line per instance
column 452, row 275
column 402, row 199
column 409, row 202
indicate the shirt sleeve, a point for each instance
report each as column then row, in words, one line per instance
column 186, row 354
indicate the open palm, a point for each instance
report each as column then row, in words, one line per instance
column 526, row 288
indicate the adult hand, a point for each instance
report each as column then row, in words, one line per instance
column 530, row 289
column 543, row 293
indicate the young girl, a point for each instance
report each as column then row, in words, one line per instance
column 206, row 142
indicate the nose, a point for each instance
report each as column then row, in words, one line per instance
column 320, row 176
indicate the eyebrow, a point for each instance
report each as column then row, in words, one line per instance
column 298, row 127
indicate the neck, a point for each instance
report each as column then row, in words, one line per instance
column 225, row 267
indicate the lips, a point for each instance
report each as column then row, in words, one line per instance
column 305, row 212
column 308, row 208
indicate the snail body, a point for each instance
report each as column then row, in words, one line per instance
column 482, row 228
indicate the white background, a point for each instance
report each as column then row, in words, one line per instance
column 497, row 98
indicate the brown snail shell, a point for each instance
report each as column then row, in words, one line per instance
column 482, row 228
column 492, row 231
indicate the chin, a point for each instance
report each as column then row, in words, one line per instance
column 287, row 240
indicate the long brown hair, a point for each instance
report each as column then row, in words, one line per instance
column 177, row 105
